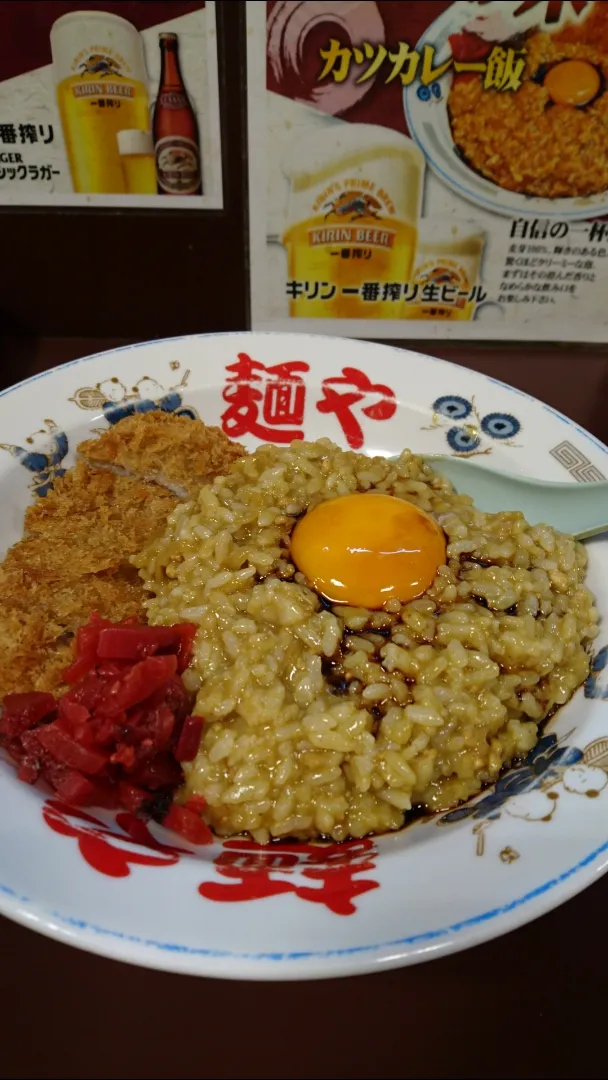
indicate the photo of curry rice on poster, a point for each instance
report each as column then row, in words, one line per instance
column 110, row 107
column 429, row 170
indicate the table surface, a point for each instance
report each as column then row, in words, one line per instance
column 522, row 1006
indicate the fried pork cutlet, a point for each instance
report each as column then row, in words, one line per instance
column 74, row 557
column 90, row 524
column 38, row 622
column 174, row 451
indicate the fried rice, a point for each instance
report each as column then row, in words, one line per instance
column 336, row 722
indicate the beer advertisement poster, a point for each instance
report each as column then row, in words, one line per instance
column 422, row 170
column 109, row 104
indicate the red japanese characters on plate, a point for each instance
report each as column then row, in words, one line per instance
column 110, row 852
column 319, row 874
column 269, row 403
column 356, row 388
column 275, row 395
column 329, row 875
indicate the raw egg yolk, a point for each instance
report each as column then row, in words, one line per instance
column 573, row 82
column 363, row 550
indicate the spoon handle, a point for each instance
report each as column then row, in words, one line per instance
column 579, row 509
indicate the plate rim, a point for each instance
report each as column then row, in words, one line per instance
column 309, row 965
column 328, row 963
column 331, row 340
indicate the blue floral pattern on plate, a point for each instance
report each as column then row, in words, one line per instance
column 545, row 762
column 116, row 403
column 531, row 791
column 427, row 93
column 170, row 403
column 500, row 425
column 45, row 464
column 595, row 686
column 463, row 440
column 478, row 434
column 453, row 406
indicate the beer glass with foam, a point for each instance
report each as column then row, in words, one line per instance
column 354, row 203
column 136, row 149
column 446, row 270
column 101, row 79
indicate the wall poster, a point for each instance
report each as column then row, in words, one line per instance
column 431, row 169
column 109, row 104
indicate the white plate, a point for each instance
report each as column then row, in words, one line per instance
column 429, row 125
column 234, row 910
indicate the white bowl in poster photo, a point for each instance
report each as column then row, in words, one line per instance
column 426, row 111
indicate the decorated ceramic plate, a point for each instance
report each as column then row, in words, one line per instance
column 311, row 906
column 478, row 142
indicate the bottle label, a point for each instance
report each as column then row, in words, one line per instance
column 178, row 167
column 172, row 99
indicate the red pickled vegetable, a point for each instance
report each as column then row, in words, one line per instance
column 124, row 755
column 103, row 640
column 117, row 736
column 88, row 692
column 135, row 642
column 160, row 771
column 72, row 786
column 187, row 823
column 175, row 696
column 189, row 740
column 112, row 669
column 32, row 748
column 186, row 633
column 87, row 640
column 161, row 723
column 74, row 713
column 139, row 682
column 62, row 747
column 132, row 798
column 27, row 771
column 196, row 803
column 105, row 793
column 24, row 711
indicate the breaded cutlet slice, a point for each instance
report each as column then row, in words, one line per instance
column 179, row 453
column 33, row 651
column 74, row 557
column 73, row 560
column 39, row 619
column 118, row 591
column 97, row 494
column 91, row 523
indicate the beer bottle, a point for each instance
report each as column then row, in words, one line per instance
column 176, row 142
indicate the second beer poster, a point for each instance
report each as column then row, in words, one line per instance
column 109, row 104
column 429, row 170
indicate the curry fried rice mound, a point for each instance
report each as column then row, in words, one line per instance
column 336, row 722
column 521, row 140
